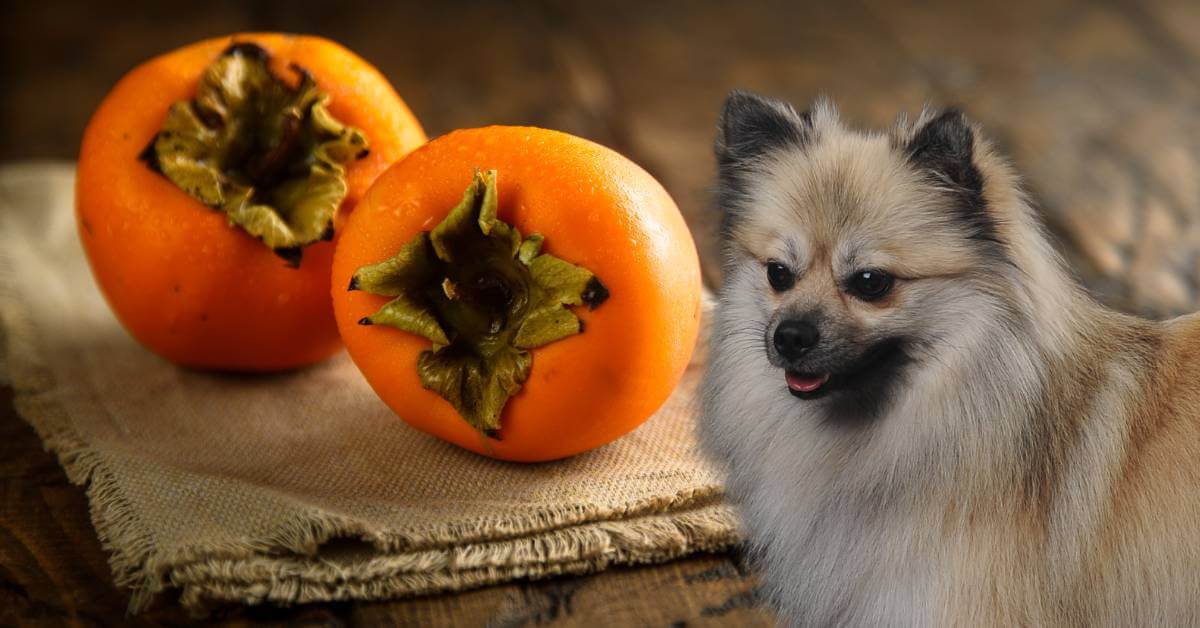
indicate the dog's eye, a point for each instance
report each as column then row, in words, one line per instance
column 869, row 285
column 780, row 276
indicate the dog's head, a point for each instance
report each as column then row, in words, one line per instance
column 855, row 255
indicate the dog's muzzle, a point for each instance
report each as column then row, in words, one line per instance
column 794, row 338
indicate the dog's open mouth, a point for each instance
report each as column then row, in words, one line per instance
column 806, row 385
column 879, row 365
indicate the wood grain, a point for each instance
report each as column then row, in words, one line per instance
column 1096, row 102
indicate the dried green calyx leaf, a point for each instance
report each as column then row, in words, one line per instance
column 484, row 296
column 270, row 156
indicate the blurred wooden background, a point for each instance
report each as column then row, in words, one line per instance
column 1097, row 103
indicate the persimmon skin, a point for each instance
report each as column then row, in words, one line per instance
column 185, row 283
column 596, row 209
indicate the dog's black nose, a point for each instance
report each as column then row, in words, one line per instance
column 793, row 338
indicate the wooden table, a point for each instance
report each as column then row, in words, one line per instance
column 1098, row 104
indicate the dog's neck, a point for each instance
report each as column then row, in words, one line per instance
column 1048, row 367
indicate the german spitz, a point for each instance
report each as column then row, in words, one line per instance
column 924, row 419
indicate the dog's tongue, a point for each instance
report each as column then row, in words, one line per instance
column 805, row 383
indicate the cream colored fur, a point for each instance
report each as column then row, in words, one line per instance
column 1040, row 464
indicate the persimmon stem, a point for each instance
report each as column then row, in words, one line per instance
column 484, row 296
column 270, row 156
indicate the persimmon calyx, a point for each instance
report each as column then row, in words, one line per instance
column 268, row 155
column 484, row 296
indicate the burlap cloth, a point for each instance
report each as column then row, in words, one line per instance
column 304, row 487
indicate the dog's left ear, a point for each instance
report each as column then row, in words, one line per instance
column 751, row 125
column 945, row 146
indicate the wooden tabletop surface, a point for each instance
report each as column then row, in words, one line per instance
column 1097, row 103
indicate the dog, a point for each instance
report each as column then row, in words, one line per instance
column 922, row 417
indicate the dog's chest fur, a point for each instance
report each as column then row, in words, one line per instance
column 840, row 556
column 865, row 564
column 841, row 545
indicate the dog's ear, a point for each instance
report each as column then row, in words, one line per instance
column 945, row 146
column 750, row 125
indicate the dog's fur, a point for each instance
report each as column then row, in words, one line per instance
column 1019, row 455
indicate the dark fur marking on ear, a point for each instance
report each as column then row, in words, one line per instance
column 945, row 147
column 749, row 127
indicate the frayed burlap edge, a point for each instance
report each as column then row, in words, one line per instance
column 635, row 533
column 129, row 543
column 577, row 550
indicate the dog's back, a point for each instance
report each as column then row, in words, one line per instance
column 1149, row 567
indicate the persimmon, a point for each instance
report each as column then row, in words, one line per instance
column 520, row 292
column 210, row 182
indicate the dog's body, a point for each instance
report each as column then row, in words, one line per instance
column 949, row 431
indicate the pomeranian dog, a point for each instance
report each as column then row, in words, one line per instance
column 924, row 420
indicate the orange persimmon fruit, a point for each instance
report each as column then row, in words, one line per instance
column 519, row 292
column 210, row 181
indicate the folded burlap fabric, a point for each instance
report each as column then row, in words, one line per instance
column 303, row 486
